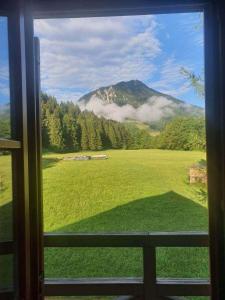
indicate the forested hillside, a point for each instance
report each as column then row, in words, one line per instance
column 66, row 128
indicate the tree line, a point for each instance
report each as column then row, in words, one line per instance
column 66, row 128
column 183, row 133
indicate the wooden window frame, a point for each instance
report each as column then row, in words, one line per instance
column 26, row 156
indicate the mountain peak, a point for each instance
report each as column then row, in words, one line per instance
column 132, row 82
column 133, row 99
column 133, row 92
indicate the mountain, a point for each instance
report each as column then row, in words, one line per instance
column 133, row 92
column 134, row 100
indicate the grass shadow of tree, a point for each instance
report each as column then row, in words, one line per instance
column 6, row 222
column 49, row 162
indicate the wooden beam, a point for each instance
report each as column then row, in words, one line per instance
column 124, row 286
column 98, row 8
column 6, row 144
column 93, row 287
column 183, row 287
column 20, row 167
column 149, row 266
column 179, row 239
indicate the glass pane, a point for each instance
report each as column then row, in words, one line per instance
column 4, row 81
column 123, row 126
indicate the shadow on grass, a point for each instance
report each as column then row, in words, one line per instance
column 164, row 212
column 6, row 221
column 49, row 162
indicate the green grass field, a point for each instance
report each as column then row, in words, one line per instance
column 134, row 190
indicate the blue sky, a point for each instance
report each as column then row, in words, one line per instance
column 4, row 68
column 79, row 55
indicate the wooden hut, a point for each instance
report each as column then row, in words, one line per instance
column 198, row 174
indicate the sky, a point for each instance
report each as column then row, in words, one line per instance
column 82, row 54
column 4, row 68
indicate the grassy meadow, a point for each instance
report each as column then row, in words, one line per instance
column 133, row 190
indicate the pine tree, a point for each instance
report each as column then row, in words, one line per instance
column 70, row 132
column 45, row 126
column 56, row 131
column 84, row 141
column 112, row 135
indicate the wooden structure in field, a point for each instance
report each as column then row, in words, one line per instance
column 87, row 157
column 198, row 174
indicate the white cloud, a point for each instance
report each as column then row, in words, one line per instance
column 153, row 110
column 171, row 81
column 4, row 72
column 82, row 54
column 93, row 52
column 64, row 95
column 192, row 25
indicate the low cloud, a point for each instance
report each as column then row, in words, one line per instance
column 153, row 110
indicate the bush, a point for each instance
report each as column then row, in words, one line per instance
column 183, row 133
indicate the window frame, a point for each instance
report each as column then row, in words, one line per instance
column 28, row 214
column 215, row 114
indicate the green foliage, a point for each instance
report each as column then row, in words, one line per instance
column 196, row 81
column 71, row 132
column 183, row 133
column 5, row 121
column 66, row 128
column 4, row 128
column 56, row 137
column 139, row 138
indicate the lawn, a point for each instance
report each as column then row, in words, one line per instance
column 134, row 190
column 6, row 261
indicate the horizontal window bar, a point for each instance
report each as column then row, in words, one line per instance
column 93, row 287
column 9, row 144
column 6, row 247
column 183, row 287
column 124, row 286
column 162, row 239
